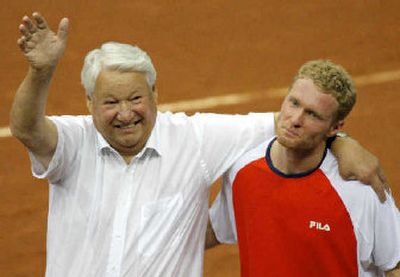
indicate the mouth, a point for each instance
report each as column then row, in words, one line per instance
column 128, row 125
column 291, row 133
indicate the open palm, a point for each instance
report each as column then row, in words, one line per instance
column 40, row 45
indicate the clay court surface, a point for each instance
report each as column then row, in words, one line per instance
column 216, row 56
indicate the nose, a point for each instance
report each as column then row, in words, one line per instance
column 297, row 118
column 125, row 113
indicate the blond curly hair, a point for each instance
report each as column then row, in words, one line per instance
column 331, row 79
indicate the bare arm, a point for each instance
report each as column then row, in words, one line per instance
column 42, row 49
column 211, row 239
column 395, row 272
column 355, row 162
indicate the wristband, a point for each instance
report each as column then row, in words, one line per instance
column 339, row 134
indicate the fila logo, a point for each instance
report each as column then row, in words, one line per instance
column 318, row 225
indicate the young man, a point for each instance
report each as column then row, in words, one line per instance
column 128, row 184
column 286, row 204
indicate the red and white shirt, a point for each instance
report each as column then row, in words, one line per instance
column 310, row 224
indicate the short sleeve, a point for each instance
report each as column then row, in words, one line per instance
column 224, row 138
column 51, row 172
column 386, row 250
column 70, row 135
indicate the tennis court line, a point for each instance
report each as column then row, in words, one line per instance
column 247, row 97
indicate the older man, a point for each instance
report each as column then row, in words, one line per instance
column 128, row 185
column 286, row 204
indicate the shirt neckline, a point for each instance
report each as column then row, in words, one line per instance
column 293, row 175
column 151, row 144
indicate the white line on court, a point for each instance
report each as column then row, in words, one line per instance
column 247, row 97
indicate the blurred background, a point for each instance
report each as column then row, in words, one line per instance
column 211, row 56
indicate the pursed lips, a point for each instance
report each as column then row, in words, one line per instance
column 291, row 133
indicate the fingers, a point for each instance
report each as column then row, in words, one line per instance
column 29, row 24
column 63, row 29
column 376, row 179
column 27, row 29
column 384, row 180
column 379, row 187
column 22, row 44
column 40, row 21
column 27, row 33
column 31, row 29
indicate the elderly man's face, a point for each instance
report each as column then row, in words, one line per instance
column 307, row 117
column 124, row 110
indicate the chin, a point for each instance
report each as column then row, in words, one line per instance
column 293, row 144
column 285, row 141
column 128, row 143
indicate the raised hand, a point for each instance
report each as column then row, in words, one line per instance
column 40, row 45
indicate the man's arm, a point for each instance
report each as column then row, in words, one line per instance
column 211, row 239
column 355, row 162
column 43, row 49
column 395, row 272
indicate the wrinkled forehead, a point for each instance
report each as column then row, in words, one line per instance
column 117, row 82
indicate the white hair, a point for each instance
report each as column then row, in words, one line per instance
column 116, row 56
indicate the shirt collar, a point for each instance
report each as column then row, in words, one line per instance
column 152, row 145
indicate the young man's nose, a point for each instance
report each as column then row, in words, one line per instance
column 297, row 117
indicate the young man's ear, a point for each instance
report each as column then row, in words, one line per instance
column 89, row 104
column 335, row 128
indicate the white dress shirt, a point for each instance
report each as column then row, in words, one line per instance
column 147, row 218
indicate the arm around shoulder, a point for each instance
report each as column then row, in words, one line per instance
column 356, row 162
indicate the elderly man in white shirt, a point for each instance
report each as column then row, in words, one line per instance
column 128, row 185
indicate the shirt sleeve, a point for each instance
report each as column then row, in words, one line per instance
column 224, row 138
column 386, row 246
column 222, row 215
column 69, row 135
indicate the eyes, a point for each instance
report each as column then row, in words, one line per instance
column 294, row 103
column 313, row 114
column 110, row 102
column 134, row 100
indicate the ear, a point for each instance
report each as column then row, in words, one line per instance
column 155, row 94
column 336, row 127
column 276, row 119
column 89, row 104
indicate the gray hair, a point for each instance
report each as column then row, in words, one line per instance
column 116, row 56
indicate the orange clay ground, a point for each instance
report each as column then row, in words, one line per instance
column 201, row 49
